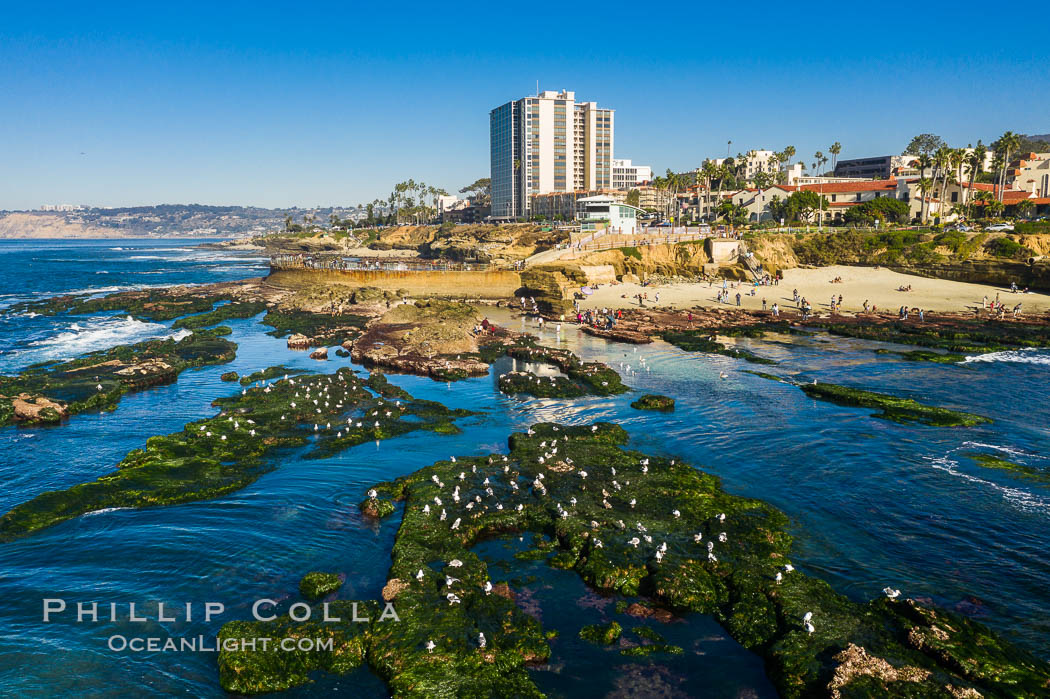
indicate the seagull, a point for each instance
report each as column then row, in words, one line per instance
column 788, row 568
column 488, row 587
column 426, row 509
column 449, row 580
column 419, row 575
column 891, row 593
column 723, row 375
column 697, row 537
column 452, row 598
column 481, row 640
column 455, row 525
column 779, row 578
column 659, row 555
column 430, row 646
column 722, row 537
column 722, row 517
column 676, row 513
column 455, row 563
column 634, row 542
column 99, row 387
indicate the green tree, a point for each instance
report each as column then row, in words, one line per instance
column 480, row 190
column 924, row 144
column 835, row 148
column 883, row 209
column 1025, row 207
column 633, row 197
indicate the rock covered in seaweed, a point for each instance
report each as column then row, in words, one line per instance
column 316, row 585
column 652, row 401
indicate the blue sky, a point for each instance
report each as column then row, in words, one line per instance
column 318, row 104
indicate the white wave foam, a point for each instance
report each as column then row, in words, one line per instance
column 1016, row 496
column 104, row 510
column 1022, row 356
column 93, row 334
column 1012, row 451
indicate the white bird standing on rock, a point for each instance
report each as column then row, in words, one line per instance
column 481, row 640
column 891, row 593
column 455, row 563
column 779, row 578
column 488, row 587
column 455, row 525
column 419, row 575
column 431, row 646
column 449, row 580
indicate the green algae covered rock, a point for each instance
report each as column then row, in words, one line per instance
column 892, row 408
column 602, row 634
column 646, row 650
column 229, row 376
column 615, row 515
column 225, row 453
column 926, row 356
column 269, row 373
column 700, row 341
column 516, row 382
column 227, row 311
column 316, row 585
column 651, row 401
column 294, row 649
column 50, row 391
column 148, row 304
column 1000, row 464
column 594, row 378
column 322, row 329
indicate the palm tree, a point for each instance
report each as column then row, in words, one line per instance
column 974, row 163
column 835, row 148
column 924, row 161
column 789, row 153
column 1025, row 208
column 1008, row 142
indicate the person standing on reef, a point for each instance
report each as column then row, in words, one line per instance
column 738, row 298
column 865, row 305
column 776, row 310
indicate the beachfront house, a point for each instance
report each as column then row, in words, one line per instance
column 603, row 214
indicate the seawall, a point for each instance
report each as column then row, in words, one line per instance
column 458, row 284
column 1034, row 276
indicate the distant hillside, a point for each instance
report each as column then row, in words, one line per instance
column 162, row 221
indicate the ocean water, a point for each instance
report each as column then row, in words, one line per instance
column 872, row 503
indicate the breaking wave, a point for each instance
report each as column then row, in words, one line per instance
column 90, row 335
column 1022, row 356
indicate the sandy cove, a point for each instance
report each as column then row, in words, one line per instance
column 876, row 285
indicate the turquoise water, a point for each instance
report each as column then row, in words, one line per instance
column 872, row 503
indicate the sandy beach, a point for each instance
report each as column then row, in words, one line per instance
column 877, row 286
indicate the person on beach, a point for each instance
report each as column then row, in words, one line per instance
column 763, row 304
column 776, row 310
column 1017, row 311
column 865, row 305
column 738, row 298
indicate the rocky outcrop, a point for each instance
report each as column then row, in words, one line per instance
column 299, row 342
column 29, row 408
column 321, row 353
column 152, row 372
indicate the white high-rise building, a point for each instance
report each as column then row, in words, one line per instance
column 547, row 143
column 627, row 176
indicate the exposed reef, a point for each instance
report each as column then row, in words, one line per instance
column 651, row 401
column 429, row 338
column 901, row 410
column 224, row 453
column 635, row 525
column 701, row 341
column 51, row 391
column 227, row 311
